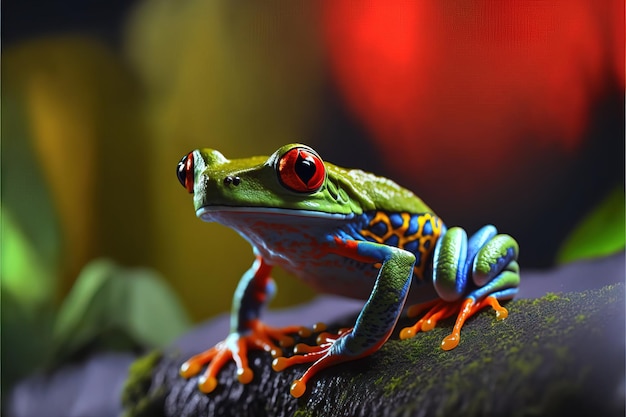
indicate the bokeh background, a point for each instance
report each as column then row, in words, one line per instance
column 509, row 113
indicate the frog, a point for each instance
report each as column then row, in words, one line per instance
column 345, row 232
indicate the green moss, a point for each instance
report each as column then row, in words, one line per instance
column 303, row 412
column 393, row 384
column 524, row 365
column 550, row 297
column 343, row 397
column 514, row 349
column 135, row 400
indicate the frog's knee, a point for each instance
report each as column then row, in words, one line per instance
column 493, row 258
column 404, row 258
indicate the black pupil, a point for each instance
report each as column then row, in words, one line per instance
column 305, row 168
column 181, row 171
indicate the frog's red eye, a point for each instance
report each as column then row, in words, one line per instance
column 184, row 171
column 301, row 170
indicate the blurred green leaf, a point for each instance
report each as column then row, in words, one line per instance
column 114, row 307
column 26, row 335
column 27, row 312
column 28, row 215
column 601, row 233
column 23, row 272
column 29, row 243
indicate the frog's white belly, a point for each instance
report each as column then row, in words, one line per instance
column 299, row 245
column 333, row 274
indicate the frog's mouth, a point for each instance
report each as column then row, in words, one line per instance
column 217, row 213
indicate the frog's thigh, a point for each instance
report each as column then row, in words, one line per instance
column 495, row 256
column 495, row 270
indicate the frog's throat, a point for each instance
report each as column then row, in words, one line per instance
column 208, row 213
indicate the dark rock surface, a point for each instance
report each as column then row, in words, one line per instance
column 560, row 354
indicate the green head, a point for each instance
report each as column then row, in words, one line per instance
column 293, row 178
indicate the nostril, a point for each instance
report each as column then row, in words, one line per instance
column 232, row 180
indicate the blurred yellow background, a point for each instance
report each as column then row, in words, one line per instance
column 107, row 129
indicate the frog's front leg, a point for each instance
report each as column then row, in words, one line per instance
column 254, row 291
column 468, row 276
column 377, row 318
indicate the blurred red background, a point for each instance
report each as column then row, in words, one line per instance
column 504, row 112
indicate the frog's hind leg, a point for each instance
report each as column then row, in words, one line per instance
column 489, row 259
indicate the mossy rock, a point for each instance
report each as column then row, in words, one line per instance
column 561, row 354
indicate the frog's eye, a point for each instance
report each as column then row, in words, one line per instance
column 184, row 171
column 301, row 170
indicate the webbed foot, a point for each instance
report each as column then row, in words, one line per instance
column 440, row 309
column 235, row 347
column 325, row 354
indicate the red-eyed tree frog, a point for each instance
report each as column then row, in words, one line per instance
column 345, row 232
